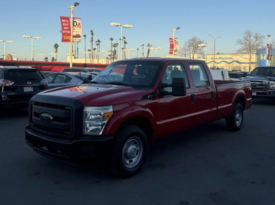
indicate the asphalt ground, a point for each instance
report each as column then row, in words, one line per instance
column 207, row 165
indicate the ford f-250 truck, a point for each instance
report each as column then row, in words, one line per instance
column 262, row 81
column 128, row 105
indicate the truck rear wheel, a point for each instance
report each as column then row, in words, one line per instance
column 235, row 121
column 129, row 151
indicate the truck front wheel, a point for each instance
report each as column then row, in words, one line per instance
column 235, row 121
column 129, row 151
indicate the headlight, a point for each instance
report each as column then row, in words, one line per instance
column 95, row 119
column 271, row 84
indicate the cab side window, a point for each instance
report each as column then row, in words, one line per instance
column 172, row 71
column 199, row 75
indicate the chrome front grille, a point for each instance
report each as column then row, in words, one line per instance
column 259, row 85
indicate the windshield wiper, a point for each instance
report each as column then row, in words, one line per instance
column 116, row 83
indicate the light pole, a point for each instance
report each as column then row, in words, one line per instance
column 137, row 52
column 85, row 46
column 35, row 37
column 40, row 54
column 5, row 47
column 174, row 37
column 269, row 40
column 121, row 26
column 204, row 46
column 142, row 50
column 71, row 40
column 214, row 62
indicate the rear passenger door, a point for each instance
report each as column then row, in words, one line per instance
column 174, row 111
column 204, row 95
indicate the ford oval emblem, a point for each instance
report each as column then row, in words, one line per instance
column 29, row 82
column 46, row 118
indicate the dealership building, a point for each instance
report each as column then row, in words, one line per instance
column 238, row 61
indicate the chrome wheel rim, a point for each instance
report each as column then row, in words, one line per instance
column 132, row 152
column 238, row 117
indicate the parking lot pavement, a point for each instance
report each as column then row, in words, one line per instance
column 204, row 166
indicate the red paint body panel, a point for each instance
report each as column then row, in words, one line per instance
column 166, row 114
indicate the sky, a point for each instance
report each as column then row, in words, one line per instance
column 152, row 22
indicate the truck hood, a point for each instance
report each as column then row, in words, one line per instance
column 99, row 95
column 259, row 78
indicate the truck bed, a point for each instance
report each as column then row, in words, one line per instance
column 227, row 92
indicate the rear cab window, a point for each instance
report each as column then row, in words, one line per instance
column 22, row 76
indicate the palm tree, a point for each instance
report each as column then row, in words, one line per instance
column 56, row 49
column 125, row 43
column 111, row 39
column 46, row 59
column 98, row 49
column 92, row 41
column 148, row 52
column 52, row 59
column 114, row 56
column 124, row 40
column 94, row 52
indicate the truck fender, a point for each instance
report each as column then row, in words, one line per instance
column 128, row 113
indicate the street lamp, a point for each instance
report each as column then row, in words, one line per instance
column 85, row 46
column 214, row 62
column 204, row 46
column 5, row 47
column 174, row 37
column 121, row 26
column 34, row 37
column 269, row 40
column 71, row 39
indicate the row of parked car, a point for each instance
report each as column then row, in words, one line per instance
column 19, row 84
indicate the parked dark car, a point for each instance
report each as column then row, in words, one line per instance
column 20, row 84
column 262, row 81
column 237, row 75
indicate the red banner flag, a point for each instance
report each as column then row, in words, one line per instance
column 66, row 29
column 171, row 46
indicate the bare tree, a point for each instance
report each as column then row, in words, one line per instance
column 249, row 44
column 191, row 47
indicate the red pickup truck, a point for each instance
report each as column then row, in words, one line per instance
column 128, row 105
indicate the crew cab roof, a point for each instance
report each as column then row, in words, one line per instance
column 160, row 59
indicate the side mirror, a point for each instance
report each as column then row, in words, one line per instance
column 178, row 87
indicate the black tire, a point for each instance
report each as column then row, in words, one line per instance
column 130, row 137
column 235, row 121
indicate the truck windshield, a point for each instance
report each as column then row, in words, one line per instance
column 130, row 73
column 263, row 71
